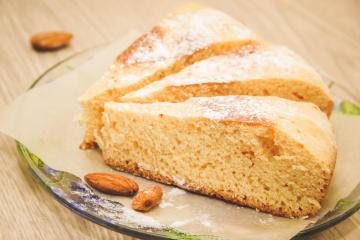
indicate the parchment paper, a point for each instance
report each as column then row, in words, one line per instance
column 43, row 120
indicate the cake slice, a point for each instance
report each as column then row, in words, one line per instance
column 188, row 35
column 268, row 153
column 270, row 70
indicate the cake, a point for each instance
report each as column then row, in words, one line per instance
column 202, row 103
column 265, row 152
column 188, row 35
column 265, row 70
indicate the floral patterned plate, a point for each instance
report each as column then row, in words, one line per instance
column 72, row 192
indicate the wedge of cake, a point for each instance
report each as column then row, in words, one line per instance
column 268, row 153
column 188, row 35
column 266, row 70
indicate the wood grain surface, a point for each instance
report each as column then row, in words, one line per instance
column 326, row 33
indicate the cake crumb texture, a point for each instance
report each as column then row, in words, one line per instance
column 267, row 153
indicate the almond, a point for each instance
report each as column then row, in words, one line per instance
column 147, row 198
column 46, row 41
column 112, row 184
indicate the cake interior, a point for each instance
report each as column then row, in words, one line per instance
column 247, row 163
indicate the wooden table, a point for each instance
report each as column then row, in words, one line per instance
column 326, row 33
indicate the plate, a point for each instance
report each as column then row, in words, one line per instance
column 72, row 192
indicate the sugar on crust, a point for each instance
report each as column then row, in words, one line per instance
column 260, row 71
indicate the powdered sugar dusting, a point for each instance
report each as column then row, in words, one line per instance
column 266, row 220
column 164, row 204
column 242, row 108
column 177, row 224
column 203, row 219
column 176, row 36
column 249, row 108
column 141, row 218
column 180, row 35
column 153, row 49
column 275, row 62
column 174, row 192
column 179, row 181
column 182, row 206
column 170, row 197
column 206, row 222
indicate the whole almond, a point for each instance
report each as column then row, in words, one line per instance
column 46, row 41
column 147, row 198
column 112, row 184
